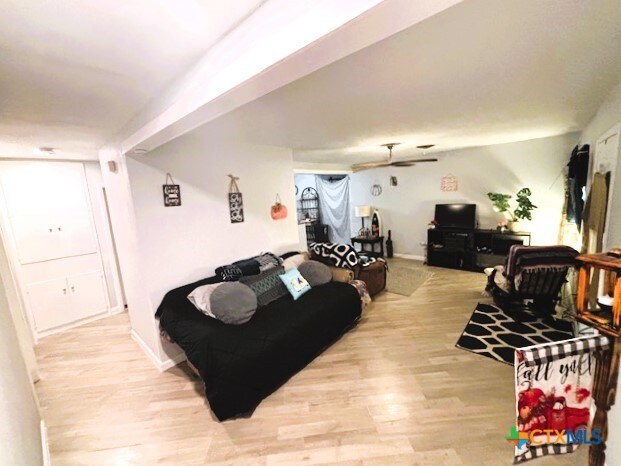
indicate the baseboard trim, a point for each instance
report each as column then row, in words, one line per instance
column 45, row 446
column 77, row 323
column 410, row 256
column 116, row 310
column 172, row 362
column 160, row 365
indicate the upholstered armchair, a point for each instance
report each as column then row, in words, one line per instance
column 534, row 273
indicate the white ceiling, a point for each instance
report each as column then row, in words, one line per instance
column 73, row 72
column 481, row 72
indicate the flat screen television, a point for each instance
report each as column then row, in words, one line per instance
column 456, row 216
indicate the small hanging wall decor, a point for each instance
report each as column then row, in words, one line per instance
column 448, row 183
column 172, row 192
column 393, row 181
column 236, row 203
column 278, row 210
column 376, row 190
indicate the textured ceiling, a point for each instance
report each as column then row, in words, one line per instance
column 73, row 72
column 481, row 72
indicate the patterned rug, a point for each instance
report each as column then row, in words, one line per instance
column 405, row 280
column 494, row 333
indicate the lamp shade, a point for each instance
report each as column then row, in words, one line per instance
column 362, row 211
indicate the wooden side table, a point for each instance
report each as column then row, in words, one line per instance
column 379, row 240
column 607, row 369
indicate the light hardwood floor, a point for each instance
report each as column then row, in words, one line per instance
column 394, row 390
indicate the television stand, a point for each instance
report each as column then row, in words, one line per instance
column 470, row 249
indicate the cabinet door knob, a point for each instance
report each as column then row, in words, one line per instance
column 59, row 229
column 51, row 230
column 64, row 290
column 72, row 289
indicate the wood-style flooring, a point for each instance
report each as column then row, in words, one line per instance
column 394, row 390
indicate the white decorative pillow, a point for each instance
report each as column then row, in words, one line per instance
column 294, row 261
column 201, row 298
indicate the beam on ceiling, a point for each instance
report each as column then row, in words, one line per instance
column 281, row 42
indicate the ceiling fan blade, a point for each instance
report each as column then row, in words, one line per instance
column 367, row 165
column 411, row 162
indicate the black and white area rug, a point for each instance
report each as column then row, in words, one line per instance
column 494, row 333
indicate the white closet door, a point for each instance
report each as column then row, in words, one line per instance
column 75, row 234
column 88, row 294
column 36, row 238
column 45, row 188
column 48, row 210
column 49, row 303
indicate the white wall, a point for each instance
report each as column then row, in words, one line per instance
column 20, row 421
column 407, row 208
column 94, row 181
column 608, row 115
column 178, row 245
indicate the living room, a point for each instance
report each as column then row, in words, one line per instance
column 503, row 91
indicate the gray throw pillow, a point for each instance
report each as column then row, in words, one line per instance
column 233, row 303
column 267, row 285
column 315, row 272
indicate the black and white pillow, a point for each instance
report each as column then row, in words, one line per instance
column 339, row 255
column 229, row 273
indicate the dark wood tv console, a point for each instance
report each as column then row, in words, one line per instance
column 470, row 249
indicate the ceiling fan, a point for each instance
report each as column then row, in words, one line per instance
column 390, row 163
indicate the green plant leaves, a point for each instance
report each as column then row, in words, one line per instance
column 524, row 204
column 500, row 201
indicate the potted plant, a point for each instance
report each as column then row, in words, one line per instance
column 520, row 213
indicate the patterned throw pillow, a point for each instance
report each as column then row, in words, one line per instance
column 340, row 255
column 229, row 273
column 295, row 283
column 267, row 286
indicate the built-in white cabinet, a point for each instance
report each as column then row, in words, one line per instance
column 47, row 210
column 48, row 237
column 56, row 302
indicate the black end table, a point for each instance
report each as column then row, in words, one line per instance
column 372, row 241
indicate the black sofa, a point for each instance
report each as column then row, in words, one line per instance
column 243, row 364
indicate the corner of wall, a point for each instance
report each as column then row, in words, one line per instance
column 123, row 222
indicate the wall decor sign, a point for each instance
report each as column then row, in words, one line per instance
column 172, row 192
column 393, row 181
column 448, row 183
column 236, row 202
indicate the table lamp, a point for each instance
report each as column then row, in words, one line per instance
column 362, row 211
